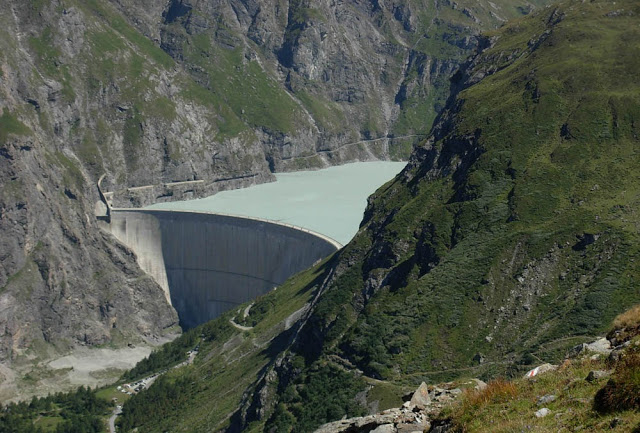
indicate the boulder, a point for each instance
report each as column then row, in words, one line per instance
column 413, row 428
column 601, row 346
column 541, row 369
column 542, row 412
column 546, row 399
column 421, row 397
column 595, row 375
column 385, row 428
column 479, row 384
column 377, row 419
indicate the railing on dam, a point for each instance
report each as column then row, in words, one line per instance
column 209, row 263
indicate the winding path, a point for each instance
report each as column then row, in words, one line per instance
column 112, row 419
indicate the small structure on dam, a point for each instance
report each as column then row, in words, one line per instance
column 209, row 263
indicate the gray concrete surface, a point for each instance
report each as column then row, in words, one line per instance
column 209, row 263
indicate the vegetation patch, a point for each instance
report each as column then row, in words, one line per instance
column 228, row 361
column 512, row 406
column 326, row 113
column 46, row 52
column 9, row 124
column 629, row 320
column 385, row 395
column 79, row 411
column 622, row 392
column 496, row 392
column 116, row 21
column 326, row 395
column 244, row 86
column 165, row 357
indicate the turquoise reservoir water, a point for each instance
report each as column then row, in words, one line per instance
column 329, row 201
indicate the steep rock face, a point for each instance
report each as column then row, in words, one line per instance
column 79, row 100
column 63, row 283
column 358, row 80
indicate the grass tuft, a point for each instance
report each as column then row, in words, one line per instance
column 626, row 326
column 497, row 391
column 9, row 124
column 628, row 319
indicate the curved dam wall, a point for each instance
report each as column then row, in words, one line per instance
column 209, row 263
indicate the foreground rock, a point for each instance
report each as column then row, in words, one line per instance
column 601, row 346
column 541, row 369
column 415, row 415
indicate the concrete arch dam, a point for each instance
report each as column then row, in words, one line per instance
column 209, row 263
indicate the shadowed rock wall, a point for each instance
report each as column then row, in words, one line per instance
column 209, row 263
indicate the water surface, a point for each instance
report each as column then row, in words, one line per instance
column 329, row 201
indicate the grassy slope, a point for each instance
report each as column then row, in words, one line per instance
column 204, row 395
column 230, row 360
column 485, row 256
column 484, row 271
column 245, row 87
column 464, row 240
column 513, row 407
column 510, row 406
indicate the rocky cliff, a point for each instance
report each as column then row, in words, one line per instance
column 511, row 236
column 324, row 82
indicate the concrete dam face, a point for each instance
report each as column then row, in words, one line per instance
column 209, row 263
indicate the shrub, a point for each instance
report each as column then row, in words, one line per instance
column 622, row 392
column 626, row 326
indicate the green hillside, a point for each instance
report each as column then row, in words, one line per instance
column 586, row 393
column 512, row 235
column 516, row 225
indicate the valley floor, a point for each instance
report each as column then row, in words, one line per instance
column 85, row 366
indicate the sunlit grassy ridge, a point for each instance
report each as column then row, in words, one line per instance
column 577, row 399
column 511, row 406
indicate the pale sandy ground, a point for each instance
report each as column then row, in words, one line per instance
column 89, row 367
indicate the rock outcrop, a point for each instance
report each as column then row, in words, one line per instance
column 415, row 415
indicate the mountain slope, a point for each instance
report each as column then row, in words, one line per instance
column 511, row 236
column 520, row 210
column 327, row 75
